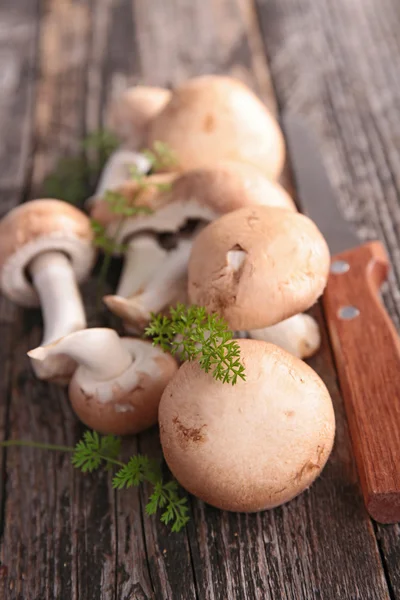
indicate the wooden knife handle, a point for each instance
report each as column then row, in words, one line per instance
column 366, row 347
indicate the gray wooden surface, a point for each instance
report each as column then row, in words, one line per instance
column 65, row 535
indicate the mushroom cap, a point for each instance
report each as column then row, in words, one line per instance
column 200, row 194
column 148, row 196
column 128, row 403
column 258, row 266
column 210, row 118
column 254, row 445
column 131, row 112
column 229, row 185
column 36, row 227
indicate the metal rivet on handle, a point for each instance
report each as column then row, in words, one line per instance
column 339, row 266
column 348, row 312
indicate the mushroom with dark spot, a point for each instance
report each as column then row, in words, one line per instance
column 251, row 456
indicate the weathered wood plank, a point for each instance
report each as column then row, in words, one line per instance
column 18, row 35
column 319, row 546
column 59, row 526
column 68, row 536
column 224, row 564
column 343, row 77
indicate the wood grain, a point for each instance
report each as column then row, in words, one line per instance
column 60, row 529
column 70, row 536
column 314, row 547
column 366, row 346
column 18, row 37
column 336, row 64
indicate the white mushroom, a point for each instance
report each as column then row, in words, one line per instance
column 45, row 251
column 298, row 335
column 118, row 383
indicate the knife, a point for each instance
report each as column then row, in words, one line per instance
column 364, row 341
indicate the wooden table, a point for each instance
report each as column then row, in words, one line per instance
column 68, row 536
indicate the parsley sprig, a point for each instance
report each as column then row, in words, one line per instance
column 94, row 451
column 121, row 207
column 192, row 333
column 161, row 156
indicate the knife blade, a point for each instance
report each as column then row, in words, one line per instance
column 364, row 340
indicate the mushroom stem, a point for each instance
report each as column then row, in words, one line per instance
column 142, row 258
column 54, row 280
column 99, row 351
column 298, row 335
column 117, row 171
column 159, row 292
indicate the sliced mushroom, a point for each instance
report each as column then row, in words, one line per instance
column 211, row 118
column 254, row 445
column 258, row 266
column 298, row 335
column 45, row 251
column 132, row 111
column 118, row 383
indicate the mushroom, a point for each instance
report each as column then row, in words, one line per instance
column 144, row 252
column 132, row 111
column 211, row 118
column 166, row 287
column 45, row 251
column 254, row 445
column 118, row 383
column 142, row 257
column 258, row 266
column 200, row 195
column 298, row 335
column 116, row 172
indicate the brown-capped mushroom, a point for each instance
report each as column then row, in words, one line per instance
column 213, row 117
column 254, row 445
column 132, row 111
column 200, row 195
column 45, row 251
column 258, row 266
column 118, row 383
